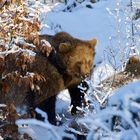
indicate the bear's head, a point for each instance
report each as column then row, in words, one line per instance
column 77, row 57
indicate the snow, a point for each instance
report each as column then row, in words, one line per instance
column 37, row 129
column 120, row 104
column 100, row 22
column 86, row 23
column 122, row 95
column 63, row 102
column 101, row 72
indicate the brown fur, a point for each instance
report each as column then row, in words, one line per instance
column 1, row 65
column 133, row 66
column 74, row 56
column 16, row 86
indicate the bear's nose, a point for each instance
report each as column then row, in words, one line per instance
column 85, row 76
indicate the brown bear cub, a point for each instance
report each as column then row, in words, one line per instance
column 36, row 80
column 73, row 60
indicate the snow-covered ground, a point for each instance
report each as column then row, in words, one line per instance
column 101, row 22
column 108, row 25
column 120, row 104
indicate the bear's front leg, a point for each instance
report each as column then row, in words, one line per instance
column 77, row 95
column 48, row 106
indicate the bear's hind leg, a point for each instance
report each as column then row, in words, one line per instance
column 48, row 106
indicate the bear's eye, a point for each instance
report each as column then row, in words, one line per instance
column 78, row 64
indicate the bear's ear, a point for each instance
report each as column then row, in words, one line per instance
column 64, row 47
column 93, row 42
